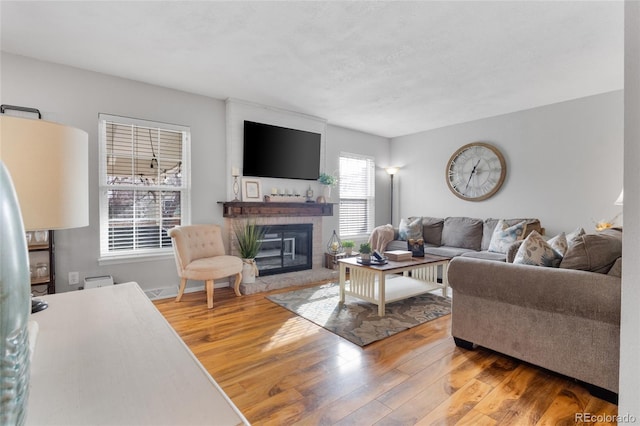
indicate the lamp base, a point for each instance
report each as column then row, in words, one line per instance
column 38, row 305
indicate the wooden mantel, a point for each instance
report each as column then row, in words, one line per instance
column 242, row 209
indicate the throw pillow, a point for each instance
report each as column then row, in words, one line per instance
column 410, row 228
column 594, row 252
column 572, row 236
column 559, row 243
column 536, row 251
column 503, row 236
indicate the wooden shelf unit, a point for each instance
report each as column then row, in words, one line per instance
column 38, row 253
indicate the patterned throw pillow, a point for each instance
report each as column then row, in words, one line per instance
column 504, row 236
column 559, row 243
column 573, row 236
column 536, row 251
column 410, row 228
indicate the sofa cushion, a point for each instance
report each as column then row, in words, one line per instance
column 489, row 225
column 536, row 251
column 616, row 269
column 462, row 232
column 432, row 230
column 486, row 255
column 503, row 236
column 594, row 252
column 447, row 251
column 410, row 228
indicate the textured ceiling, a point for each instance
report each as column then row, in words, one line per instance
column 387, row 68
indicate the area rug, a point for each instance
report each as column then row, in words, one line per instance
column 356, row 320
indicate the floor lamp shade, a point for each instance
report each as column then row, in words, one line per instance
column 48, row 163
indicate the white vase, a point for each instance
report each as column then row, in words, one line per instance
column 249, row 271
column 15, row 307
column 326, row 192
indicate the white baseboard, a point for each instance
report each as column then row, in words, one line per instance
column 168, row 292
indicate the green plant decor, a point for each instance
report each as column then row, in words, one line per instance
column 327, row 179
column 348, row 244
column 249, row 239
column 365, row 248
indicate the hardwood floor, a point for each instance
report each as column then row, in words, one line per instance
column 280, row 369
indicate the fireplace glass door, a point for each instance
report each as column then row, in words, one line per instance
column 285, row 248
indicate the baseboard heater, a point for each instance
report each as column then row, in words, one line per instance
column 95, row 282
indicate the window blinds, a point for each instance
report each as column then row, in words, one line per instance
column 357, row 189
column 143, row 184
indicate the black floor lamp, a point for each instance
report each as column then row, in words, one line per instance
column 392, row 171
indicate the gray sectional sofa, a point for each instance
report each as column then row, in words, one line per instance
column 461, row 236
column 564, row 319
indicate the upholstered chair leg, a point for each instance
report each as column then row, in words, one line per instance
column 237, row 283
column 209, row 294
column 183, row 284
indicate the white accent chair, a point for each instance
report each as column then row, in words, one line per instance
column 199, row 253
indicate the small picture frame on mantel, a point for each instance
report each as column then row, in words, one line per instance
column 251, row 190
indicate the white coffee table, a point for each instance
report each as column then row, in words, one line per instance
column 368, row 282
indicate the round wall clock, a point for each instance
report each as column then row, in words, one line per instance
column 476, row 171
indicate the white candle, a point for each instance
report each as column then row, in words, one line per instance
column 274, row 191
column 235, row 171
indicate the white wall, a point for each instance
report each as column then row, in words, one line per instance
column 630, row 317
column 340, row 140
column 334, row 141
column 75, row 97
column 564, row 165
column 238, row 111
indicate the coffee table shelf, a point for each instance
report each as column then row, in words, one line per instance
column 370, row 282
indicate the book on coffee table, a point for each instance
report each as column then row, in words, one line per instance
column 398, row 255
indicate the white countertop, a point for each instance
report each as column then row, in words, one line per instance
column 106, row 356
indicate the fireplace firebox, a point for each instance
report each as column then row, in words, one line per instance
column 285, row 248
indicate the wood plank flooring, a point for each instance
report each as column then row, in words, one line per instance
column 280, row 369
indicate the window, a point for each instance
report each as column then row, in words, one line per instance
column 357, row 189
column 144, row 185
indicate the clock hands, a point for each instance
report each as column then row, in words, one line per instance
column 471, row 175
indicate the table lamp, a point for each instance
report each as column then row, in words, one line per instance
column 43, row 185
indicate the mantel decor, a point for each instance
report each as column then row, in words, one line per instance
column 251, row 190
column 334, row 246
column 254, row 209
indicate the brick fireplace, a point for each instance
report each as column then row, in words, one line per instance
column 271, row 213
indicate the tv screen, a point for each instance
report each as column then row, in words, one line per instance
column 279, row 152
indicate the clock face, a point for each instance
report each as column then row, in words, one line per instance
column 476, row 171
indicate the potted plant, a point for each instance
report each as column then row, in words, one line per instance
column 327, row 182
column 248, row 241
column 365, row 252
column 348, row 247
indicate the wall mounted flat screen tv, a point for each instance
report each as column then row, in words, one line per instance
column 279, row 152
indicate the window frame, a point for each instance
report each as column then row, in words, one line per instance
column 107, row 256
column 369, row 199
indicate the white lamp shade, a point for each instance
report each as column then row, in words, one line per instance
column 48, row 163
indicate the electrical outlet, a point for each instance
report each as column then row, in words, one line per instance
column 74, row 278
